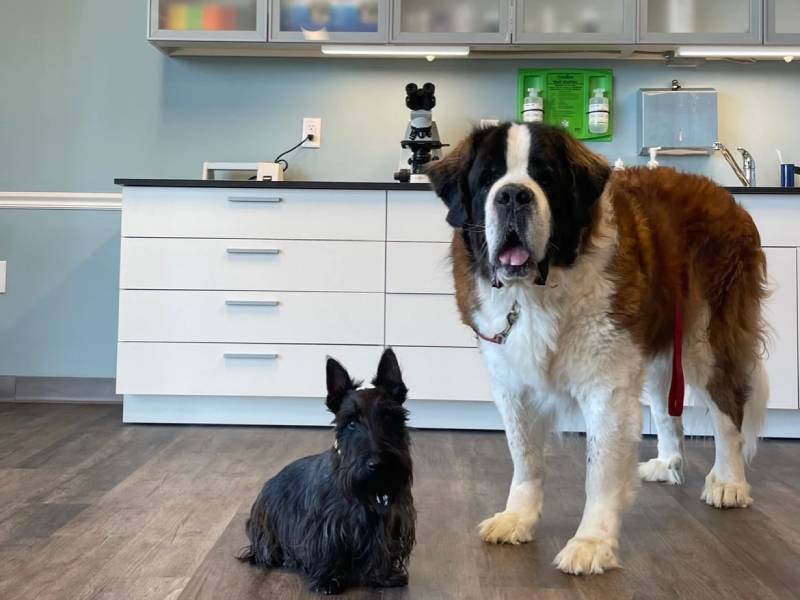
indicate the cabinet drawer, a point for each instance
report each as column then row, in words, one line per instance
column 187, row 264
column 425, row 320
column 250, row 213
column 250, row 317
column 418, row 268
column 444, row 374
column 416, row 217
column 235, row 370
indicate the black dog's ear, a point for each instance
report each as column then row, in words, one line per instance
column 449, row 180
column 339, row 383
column 390, row 378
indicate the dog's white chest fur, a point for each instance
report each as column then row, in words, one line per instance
column 564, row 342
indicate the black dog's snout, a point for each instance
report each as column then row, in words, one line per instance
column 514, row 195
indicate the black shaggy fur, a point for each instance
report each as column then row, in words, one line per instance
column 345, row 517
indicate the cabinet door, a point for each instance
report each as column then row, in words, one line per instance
column 452, row 21
column 700, row 21
column 330, row 21
column 575, row 21
column 209, row 20
column 782, row 20
column 781, row 315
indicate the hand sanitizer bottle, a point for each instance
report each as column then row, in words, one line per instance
column 598, row 112
column 533, row 107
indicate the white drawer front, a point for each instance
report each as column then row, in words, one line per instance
column 418, row 268
column 235, row 370
column 425, row 320
column 775, row 217
column 416, row 217
column 444, row 374
column 251, row 213
column 186, row 264
column 250, row 317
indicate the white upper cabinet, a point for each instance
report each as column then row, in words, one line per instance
column 782, row 20
column 208, row 20
column 451, row 21
column 575, row 21
column 323, row 21
column 700, row 21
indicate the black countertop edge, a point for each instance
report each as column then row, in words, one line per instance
column 355, row 185
column 285, row 185
column 763, row 190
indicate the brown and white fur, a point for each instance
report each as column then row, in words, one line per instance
column 596, row 261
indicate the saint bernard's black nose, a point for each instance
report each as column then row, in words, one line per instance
column 513, row 196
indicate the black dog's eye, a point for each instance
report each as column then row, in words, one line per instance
column 352, row 423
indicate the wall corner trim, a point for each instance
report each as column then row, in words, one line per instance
column 61, row 200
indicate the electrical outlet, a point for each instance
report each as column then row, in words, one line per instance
column 312, row 126
column 2, row 277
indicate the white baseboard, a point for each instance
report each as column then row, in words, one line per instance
column 61, row 200
column 425, row 414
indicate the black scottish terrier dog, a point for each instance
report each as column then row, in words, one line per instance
column 345, row 517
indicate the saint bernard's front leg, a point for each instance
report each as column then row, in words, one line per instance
column 613, row 429
column 526, row 431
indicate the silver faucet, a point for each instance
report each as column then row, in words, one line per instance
column 747, row 172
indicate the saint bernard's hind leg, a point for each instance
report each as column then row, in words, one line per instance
column 527, row 429
column 668, row 465
column 613, row 430
column 735, row 433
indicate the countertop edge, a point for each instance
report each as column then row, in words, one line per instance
column 368, row 185
column 286, row 185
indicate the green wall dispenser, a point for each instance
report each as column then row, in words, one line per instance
column 566, row 94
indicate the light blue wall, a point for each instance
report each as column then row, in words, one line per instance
column 59, row 317
column 84, row 99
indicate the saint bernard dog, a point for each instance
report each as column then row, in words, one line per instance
column 577, row 280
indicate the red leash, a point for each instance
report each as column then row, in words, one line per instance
column 677, row 387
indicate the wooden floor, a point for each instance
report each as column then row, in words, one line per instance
column 91, row 508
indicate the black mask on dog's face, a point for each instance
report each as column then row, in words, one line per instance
column 522, row 196
column 372, row 445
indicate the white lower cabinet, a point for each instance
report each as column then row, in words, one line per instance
column 780, row 313
column 231, row 300
column 235, row 369
column 425, row 320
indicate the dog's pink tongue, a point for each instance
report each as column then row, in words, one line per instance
column 516, row 256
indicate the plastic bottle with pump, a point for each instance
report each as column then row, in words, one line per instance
column 533, row 107
column 598, row 112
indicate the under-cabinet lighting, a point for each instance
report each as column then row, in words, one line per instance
column 428, row 52
column 785, row 52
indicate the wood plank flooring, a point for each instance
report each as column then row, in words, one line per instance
column 93, row 509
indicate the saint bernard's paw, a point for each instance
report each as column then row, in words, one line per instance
column 587, row 556
column 670, row 471
column 725, row 494
column 507, row 528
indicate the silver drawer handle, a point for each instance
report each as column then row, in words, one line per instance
column 253, row 251
column 252, row 302
column 245, row 355
column 268, row 199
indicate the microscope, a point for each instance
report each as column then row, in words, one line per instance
column 421, row 143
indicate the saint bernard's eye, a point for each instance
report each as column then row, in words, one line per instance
column 488, row 177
